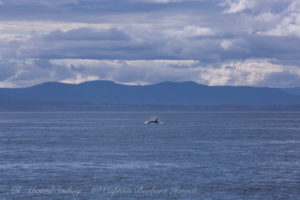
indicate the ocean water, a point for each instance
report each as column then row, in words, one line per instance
column 114, row 155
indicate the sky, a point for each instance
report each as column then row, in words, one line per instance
column 138, row 42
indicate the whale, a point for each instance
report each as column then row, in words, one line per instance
column 152, row 122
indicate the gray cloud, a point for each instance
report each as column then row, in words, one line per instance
column 87, row 34
column 6, row 70
column 85, row 43
column 26, row 73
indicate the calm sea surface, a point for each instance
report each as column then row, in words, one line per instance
column 111, row 155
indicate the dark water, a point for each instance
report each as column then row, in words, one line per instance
column 209, row 155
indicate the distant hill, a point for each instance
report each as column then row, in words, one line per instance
column 165, row 93
column 295, row 90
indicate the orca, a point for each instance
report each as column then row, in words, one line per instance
column 152, row 122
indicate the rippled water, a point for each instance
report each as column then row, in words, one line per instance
column 98, row 155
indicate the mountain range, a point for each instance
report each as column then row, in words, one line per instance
column 165, row 93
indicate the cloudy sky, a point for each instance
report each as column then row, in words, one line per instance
column 212, row 42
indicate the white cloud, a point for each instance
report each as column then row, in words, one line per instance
column 13, row 37
column 190, row 31
column 253, row 72
column 162, row 1
column 236, row 6
column 288, row 22
column 226, row 44
column 42, row 27
column 267, row 17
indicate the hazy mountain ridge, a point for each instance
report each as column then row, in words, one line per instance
column 165, row 93
column 294, row 90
